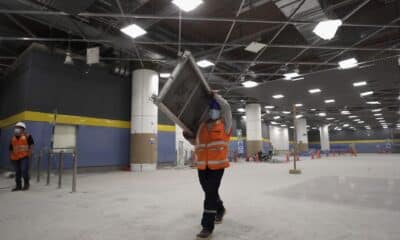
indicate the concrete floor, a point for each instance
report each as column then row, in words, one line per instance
column 334, row 198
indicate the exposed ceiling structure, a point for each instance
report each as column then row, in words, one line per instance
column 219, row 31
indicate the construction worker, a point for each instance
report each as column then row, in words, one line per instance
column 211, row 145
column 20, row 152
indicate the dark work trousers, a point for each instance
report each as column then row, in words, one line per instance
column 210, row 181
column 21, row 168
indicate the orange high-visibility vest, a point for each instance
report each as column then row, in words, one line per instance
column 212, row 146
column 20, row 147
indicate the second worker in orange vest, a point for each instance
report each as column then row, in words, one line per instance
column 211, row 145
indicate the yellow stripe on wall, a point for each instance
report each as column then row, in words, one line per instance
column 73, row 120
column 360, row 141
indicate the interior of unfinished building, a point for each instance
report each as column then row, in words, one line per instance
column 199, row 119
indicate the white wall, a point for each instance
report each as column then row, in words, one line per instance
column 187, row 147
column 279, row 137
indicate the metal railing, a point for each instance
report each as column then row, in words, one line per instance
column 58, row 155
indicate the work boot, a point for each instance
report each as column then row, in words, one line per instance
column 26, row 186
column 17, row 188
column 220, row 216
column 204, row 234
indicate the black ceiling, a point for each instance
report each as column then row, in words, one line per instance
column 371, row 32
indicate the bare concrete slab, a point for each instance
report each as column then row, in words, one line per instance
column 333, row 198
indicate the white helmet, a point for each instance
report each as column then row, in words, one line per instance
column 20, row 124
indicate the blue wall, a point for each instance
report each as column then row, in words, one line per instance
column 96, row 146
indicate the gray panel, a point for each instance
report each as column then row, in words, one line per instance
column 185, row 96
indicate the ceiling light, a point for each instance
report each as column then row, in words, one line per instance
column 165, row 75
column 385, row 126
column 244, row 117
column 322, row 114
column 346, row 125
column 345, row 112
column 283, row 125
column 373, row 103
column 361, row 122
column 363, row 94
column 330, row 101
column 269, row 107
column 277, row 117
column 205, row 63
column 249, row 84
column 382, row 121
column 327, row 29
column 274, row 123
column 291, row 75
column 133, row 31
column 338, row 129
column 367, row 127
column 241, row 110
column 329, row 119
column 356, row 120
column 315, row 90
column 278, row 96
column 352, row 116
column 285, row 112
column 359, row 84
column 255, row 47
column 380, row 118
column 299, row 116
column 297, row 79
column 268, row 111
column 376, row 110
column 348, row 63
column 313, row 109
column 378, row 114
column 298, row 105
column 68, row 59
column 187, row 5
column 291, row 127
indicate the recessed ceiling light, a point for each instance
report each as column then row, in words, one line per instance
column 363, row 94
column 327, row 29
column 385, row 126
column 345, row 112
column 367, row 127
column 205, row 63
column 269, row 107
column 322, row 114
column 165, row 75
column 187, row 5
column 329, row 119
column 291, row 75
column 330, row 101
column 133, row 31
column 352, row 116
column 278, row 96
column 378, row 114
column 274, row 123
column 241, row 110
column 376, row 110
column 267, row 111
column 277, row 117
column 359, row 84
column 373, row 103
column 283, row 125
column 255, row 47
column 380, row 118
column 313, row 109
column 299, row 116
column 361, row 122
column 382, row 121
column 291, row 127
column 298, row 105
column 249, row 84
column 297, row 79
column 346, row 125
column 285, row 112
column 244, row 117
column 356, row 120
column 348, row 63
column 315, row 90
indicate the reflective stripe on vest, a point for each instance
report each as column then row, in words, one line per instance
column 216, row 143
column 216, row 162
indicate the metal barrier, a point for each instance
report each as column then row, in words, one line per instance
column 52, row 154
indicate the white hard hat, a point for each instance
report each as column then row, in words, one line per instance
column 21, row 124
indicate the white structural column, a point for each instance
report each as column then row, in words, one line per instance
column 324, row 135
column 253, row 128
column 144, row 120
column 301, row 133
column 279, row 137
